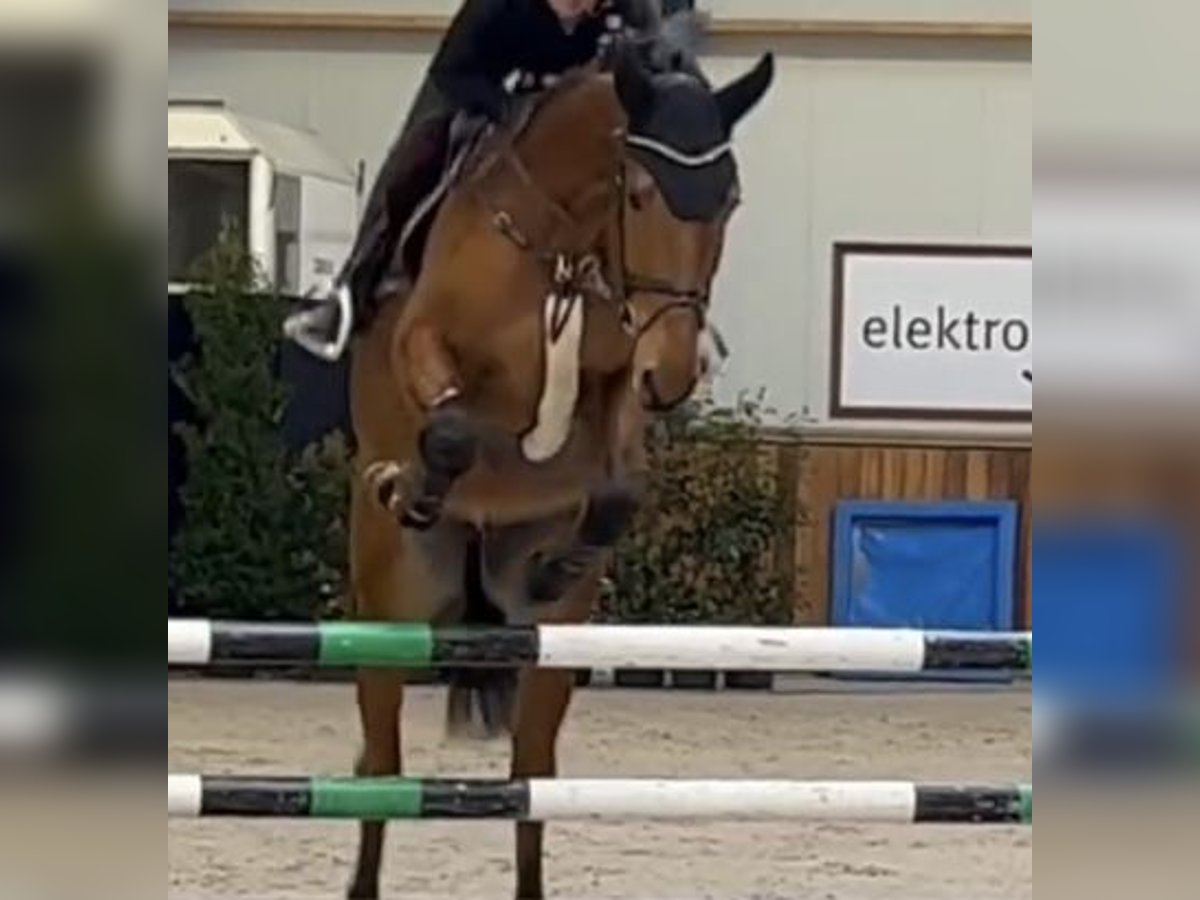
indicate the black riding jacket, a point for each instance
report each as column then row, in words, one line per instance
column 488, row 40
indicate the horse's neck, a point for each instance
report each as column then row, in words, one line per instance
column 568, row 146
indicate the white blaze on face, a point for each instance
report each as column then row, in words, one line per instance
column 562, row 330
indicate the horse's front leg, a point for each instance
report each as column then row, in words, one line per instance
column 543, row 696
column 610, row 509
column 447, row 445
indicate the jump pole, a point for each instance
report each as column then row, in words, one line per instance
column 620, row 799
column 204, row 642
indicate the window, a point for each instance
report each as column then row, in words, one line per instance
column 202, row 196
column 287, row 234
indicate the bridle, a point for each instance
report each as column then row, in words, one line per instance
column 573, row 265
column 693, row 299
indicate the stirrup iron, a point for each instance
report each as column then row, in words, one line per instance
column 330, row 351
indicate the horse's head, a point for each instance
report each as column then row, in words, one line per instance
column 679, row 186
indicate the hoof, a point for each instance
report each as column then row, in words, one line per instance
column 388, row 481
column 549, row 579
column 422, row 515
column 610, row 510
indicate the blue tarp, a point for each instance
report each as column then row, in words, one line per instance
column 1108, row 606
column 925, row 565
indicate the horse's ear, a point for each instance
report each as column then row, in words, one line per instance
column 739, row 97
column 635, row 89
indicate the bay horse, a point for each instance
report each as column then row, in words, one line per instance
column 500, row 408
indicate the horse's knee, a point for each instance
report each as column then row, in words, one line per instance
column 448, row 446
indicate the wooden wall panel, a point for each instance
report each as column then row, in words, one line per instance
column 823, row 474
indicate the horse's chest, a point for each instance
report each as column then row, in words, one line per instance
column 540, row 373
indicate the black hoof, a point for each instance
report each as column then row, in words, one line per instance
column 610, row 510
column 550, row 579
column 422, row 515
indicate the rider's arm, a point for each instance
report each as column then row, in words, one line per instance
column 460, row 70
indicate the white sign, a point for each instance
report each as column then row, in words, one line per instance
column 932, row 332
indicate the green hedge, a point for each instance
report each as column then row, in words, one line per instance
column 264, row 534
column 702, row 549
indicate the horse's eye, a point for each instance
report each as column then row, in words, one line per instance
column 637, row 200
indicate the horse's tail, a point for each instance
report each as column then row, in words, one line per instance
column 480, row 702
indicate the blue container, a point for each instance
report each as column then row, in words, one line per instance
column 1109, row 609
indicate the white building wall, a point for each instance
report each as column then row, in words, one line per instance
column 324, row 243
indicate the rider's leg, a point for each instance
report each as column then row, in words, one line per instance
column 320, row 328
column 324, row 329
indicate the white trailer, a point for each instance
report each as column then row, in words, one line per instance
column 294, row 201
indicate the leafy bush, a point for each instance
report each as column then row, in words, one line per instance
column 702, row 547
column 264, row 529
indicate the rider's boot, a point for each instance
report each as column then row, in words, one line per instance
column 409, row 172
